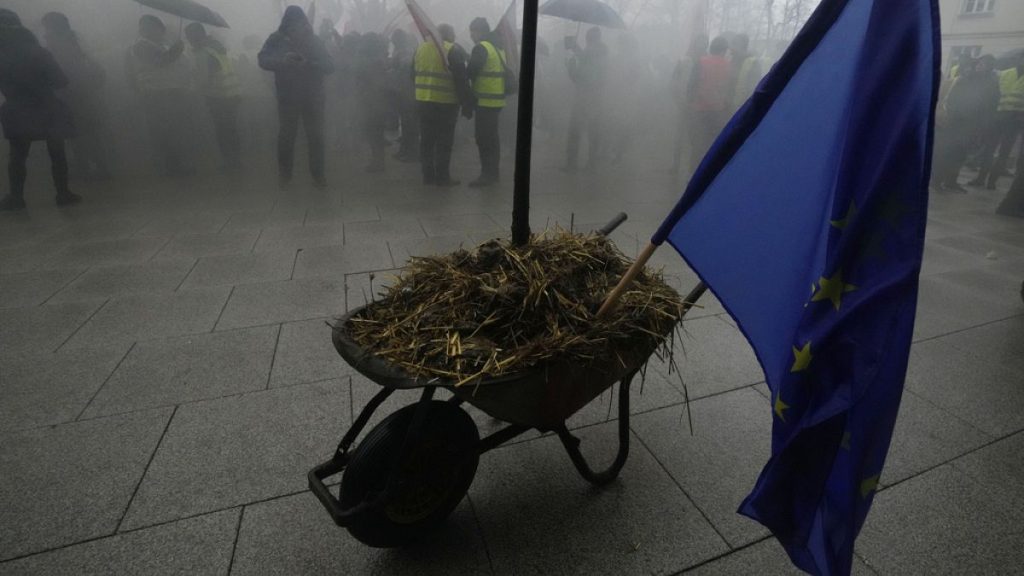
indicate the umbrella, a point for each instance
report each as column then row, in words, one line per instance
column 187, row 9
column 588, row 11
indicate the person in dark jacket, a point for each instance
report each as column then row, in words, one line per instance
column 84, row 93
column 968, row 105
column 710, row 95
column 404, row 94
column 588, row 70
column 299, row 61
column 371, row 75
column 29, row 78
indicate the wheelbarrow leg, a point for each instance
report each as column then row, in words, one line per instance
column 572, row 443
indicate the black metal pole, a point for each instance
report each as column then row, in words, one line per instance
column 524, row 127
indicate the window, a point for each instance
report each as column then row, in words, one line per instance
column 978, row 6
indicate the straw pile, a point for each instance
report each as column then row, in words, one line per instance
column 500, row 309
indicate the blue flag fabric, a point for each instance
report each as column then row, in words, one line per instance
column 806, row 219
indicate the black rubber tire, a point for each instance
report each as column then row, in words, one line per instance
column 440, row 465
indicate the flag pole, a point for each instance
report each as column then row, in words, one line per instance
column 613, row 297
column 524, row 128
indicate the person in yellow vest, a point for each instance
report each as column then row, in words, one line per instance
column 1008, row 125
column 439, row 92
column 486, row 71
column 219, row 85
column 748, row 68
column 155, row 71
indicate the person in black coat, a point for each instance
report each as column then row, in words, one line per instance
column 299, row 61
column 969, row 105
column 84, row 93
column 29, row 77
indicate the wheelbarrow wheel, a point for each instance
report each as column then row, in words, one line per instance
column 427, row 484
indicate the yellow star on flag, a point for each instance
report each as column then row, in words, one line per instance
column 851, row 213
column 868, row 485
column 832, row 289
column 801, row 358
column 780, row 408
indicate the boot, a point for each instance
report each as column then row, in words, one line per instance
column 12, row 203
column 68, row 199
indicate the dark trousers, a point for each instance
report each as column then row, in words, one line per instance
column 704, row 128
column 310, row 111
column 584, row 117
column 488, row 141
column 1013, row 204
column 1005, row 130
column 437, row 136
column 168, row 129
column 17, row 167
column 224, row 114
column 951, row 146
column 409, row 146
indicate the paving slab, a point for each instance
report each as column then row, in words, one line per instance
column 33, row 288
column 276, row 302
column 171, row 371
column 986, row 395
column 942, row 522
column 445, row 225
column 713, row 357
column 999, row 467
column 102, row 282
column 240, row 269
column 282, row 239
column 336, row 261
column 305, row 353
column 105, row 253
column 294, row 535
column 42, row 329
column 342, row 213
column 944, row 307
column 381, row 231
column 185, row 224
column 71, row 482
column 996, row 344
column 538, row 516
column 48, row 389
column 260, row 220
column 719, row 463
column 926, row 436
column 203, row 245
column 29, row 257
column 404, row 250
column 199, row 546
column 766, row 558
column 150, row 316
column 221, row 453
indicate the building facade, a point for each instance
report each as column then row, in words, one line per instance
column 979, row 27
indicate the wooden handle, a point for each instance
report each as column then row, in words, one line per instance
column 627, row 279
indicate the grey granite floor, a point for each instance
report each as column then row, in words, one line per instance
column 167, row 379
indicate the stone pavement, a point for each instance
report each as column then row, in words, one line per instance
column 167, row 379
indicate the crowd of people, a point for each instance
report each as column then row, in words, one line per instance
column 355, row 90
column 980, row 120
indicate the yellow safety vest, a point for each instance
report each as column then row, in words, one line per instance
column 1011, row 89
column 224, row 82
column 434, row 83
column 489, row 85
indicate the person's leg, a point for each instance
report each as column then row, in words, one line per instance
column 16, row 174
column 1009, row 133
column 1013, row 204
column 428, row 141
column 990, row 145
column 448, row 118
column 313, row 124
column 572, row 145
column 59, row 169
column 224, row 114
column 595, row 138
column 159, row 122
column 488, row 142
column 288, row 119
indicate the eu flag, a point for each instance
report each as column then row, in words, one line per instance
column 807, row 219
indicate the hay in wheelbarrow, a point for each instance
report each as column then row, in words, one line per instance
column 501, row 309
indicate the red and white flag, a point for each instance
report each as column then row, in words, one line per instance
column 427, row 29
column 508, row 31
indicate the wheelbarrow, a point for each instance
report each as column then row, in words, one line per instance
column 412, row 469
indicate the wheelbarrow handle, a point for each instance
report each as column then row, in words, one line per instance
column 613, row 224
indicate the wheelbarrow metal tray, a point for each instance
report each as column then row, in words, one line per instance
column 542, row 397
